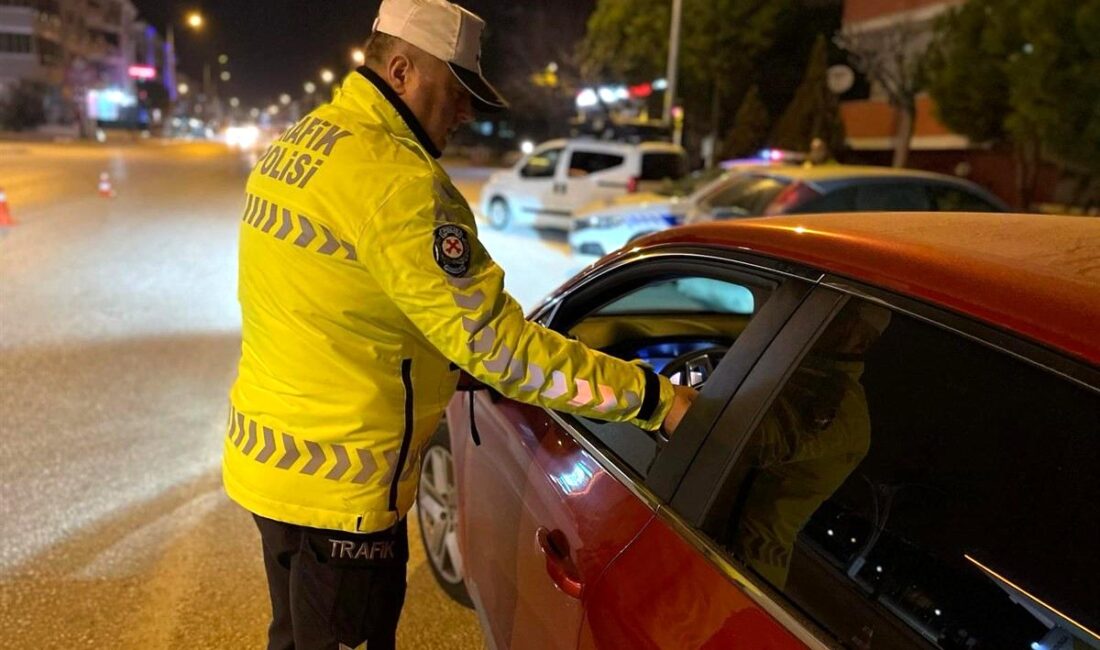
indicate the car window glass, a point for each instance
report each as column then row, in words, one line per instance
column 661, row 166
column 955, row 199
column 839, row 200
column 916, row 488
column 681, row 326
column 583, row 163
column 541, row 164
column 690, row 183
column 684, row 295
column 747, row 195
column 892, row 197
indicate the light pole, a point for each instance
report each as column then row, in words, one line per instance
column 673, row 64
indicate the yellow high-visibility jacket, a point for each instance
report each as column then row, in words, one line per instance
column 361, row 281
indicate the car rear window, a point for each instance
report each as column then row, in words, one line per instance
column 661, row 166
column 956, row 199
column 892, row 197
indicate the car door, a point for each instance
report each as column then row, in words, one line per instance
column 593, row 174
column 891, row 484
column 673, row 587
column 543, row 514
column 536, row 187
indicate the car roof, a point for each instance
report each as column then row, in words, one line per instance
column 836, row 172
column 1036, row 275
column 615, row 145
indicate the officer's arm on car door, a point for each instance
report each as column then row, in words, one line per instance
column 440, row 276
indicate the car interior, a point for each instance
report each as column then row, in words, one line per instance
column 680, row 318
column 680, row 326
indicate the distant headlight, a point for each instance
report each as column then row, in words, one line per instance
column 601, row 221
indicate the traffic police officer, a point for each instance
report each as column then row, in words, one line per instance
column 363, row 287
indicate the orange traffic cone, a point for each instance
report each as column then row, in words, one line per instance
column 105, row 189
column 5, row 213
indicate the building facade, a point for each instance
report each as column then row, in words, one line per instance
column 871, row 123
column 79, row 53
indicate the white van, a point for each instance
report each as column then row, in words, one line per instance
column 546, row 188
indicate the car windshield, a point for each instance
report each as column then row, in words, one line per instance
column 746, row 194
column 688, row 184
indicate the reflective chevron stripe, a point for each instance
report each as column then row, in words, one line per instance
column 283, row 451
column 263, row 215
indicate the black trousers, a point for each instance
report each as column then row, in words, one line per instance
column 332, row 590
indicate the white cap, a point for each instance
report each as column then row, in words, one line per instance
column 447, row 32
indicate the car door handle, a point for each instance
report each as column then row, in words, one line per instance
column 560, row 188
column 563, row 573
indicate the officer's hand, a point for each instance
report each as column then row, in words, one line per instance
column 683, row 397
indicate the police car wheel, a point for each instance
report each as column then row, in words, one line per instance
column 500, row 215
column 436, row 511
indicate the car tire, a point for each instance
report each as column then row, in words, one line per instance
column 436, row 512
column 500, row 215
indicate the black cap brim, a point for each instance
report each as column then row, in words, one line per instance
column 485, row 98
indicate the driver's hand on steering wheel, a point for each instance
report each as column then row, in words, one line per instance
column 682, row 399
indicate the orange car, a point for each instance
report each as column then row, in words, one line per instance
column 895, row 447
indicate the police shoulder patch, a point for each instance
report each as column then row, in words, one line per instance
column 452, row 249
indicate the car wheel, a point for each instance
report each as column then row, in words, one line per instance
column 500, row 215
column 436, row 511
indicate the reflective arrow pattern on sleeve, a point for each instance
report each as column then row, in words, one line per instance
column 263, row 215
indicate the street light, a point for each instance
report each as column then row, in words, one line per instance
column 673, row 61
column 284, row 99
column 223, row 59
column 309, row 87
column 358, row 56
column 195, row 20
column 183, row 88
column 327, row 76
column 225, row 76
column 234, row 102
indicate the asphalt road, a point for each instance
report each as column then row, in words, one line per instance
column 119, row 335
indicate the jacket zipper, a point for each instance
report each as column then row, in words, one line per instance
column 406, row 379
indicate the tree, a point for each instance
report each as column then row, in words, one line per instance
column 1023, row 74
column 627, row 41
column 893, row 58
column 23, row 106
column 813, row 112
column 1054, row 88
column 750, row 126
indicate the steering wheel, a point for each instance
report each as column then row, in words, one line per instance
column 694, row 368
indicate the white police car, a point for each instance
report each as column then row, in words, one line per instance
column 547, row 187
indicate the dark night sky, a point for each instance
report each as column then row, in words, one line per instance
column 274, row 46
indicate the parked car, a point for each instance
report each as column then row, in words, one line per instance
column 547, row 187
column 761, row 190
column 895, row 447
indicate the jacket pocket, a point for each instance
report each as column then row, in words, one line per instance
column 406, row 439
